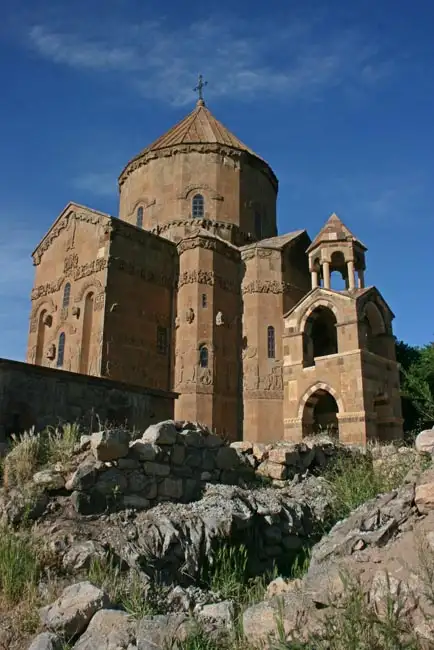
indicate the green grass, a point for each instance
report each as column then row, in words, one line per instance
column 127, row 589
column 20, row 566
column 354, row 481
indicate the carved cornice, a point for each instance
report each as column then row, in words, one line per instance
column 209, row 278
column 209, row 244
column 267, row 286
column 236, row 155
column 207, row 224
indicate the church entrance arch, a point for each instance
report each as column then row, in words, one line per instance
column 320, row 414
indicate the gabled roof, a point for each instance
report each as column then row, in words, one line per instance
column 277, row 242
column 71, row 206
column 334, row 230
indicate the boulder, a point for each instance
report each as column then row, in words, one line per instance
column 284, row 455
column 280, row 586
column 109, row 629
column 49, row 480
column 272, row 470
column 110, row 444
column 136, row 501
column 164, row 433
column 223, row 614
column 425, row 441
column 46, row 641
column 72, row 611
column 159, row 632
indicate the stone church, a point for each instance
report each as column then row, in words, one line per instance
column 192, row 290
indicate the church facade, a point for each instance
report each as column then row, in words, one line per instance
column 192, row 290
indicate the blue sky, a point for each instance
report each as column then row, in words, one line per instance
column 337, row 96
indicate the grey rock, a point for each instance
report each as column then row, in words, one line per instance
column 46, row 641
column 136, row 501
column 145, row 450
column 222, row 613
column 159, row 632
column 171, row 487
column 156, row 469
column 71, row 613
column 164, row 433
column 227, row 458
column 110, row 444
column 88, row 503
column 80, row 556
column 425, row 441
column 111, row 481
column 83, row 478
column 49, row 480
column 109, row 629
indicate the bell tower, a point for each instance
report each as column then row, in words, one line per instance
column 336, row 249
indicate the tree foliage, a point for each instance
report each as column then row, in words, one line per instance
column 417, row 383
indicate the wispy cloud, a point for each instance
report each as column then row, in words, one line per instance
column 97, row 183
column 240, row 59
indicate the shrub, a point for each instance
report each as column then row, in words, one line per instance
column 23, row 459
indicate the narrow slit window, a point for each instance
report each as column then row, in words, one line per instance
column 198, row 206
column 66, row 295
column 271, row 342
column 61, row 350
column 203, row 356
column 204, row 300
column 162, row 343
column 139, row 218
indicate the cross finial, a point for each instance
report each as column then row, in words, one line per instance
column 199, row 89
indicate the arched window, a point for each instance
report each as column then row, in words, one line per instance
column 139, row 217
column 66, row 295
column 61, row 350
column 87, row 332
column 197, row 206
column 271, row 342
column 203, row 356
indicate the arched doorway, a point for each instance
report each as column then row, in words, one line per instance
column 320, row 336
column 320, row 414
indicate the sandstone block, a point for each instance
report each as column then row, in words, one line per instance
column 284, row 456
column 425, row 441
column 260, row 451
column 110, row 445
column 163, row 433
column 227, row 458
column 156, row 469
column 272, row 470
column 424, row 497
column 243, row 446
column 71, row 613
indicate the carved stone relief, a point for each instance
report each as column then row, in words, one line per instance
column 205, row 376
column 219, row 318
column 51, row 352
column 99, row 301
column 189, row 315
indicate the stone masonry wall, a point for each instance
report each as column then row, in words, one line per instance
column 174, row 461
column 36, row 396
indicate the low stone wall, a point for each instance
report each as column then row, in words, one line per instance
column 174, row 461
column 32, row 395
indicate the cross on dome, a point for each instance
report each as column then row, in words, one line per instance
column 199, row 89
